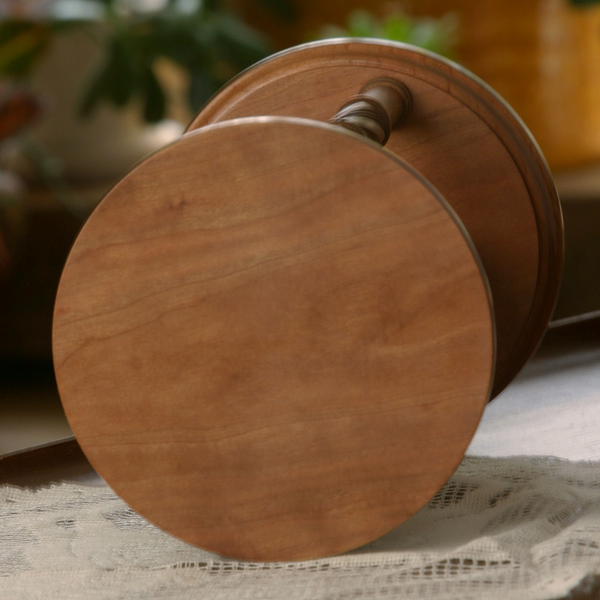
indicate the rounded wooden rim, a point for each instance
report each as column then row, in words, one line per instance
column 81, row 320
column 483, row 101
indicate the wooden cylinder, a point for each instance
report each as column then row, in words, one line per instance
column 275, row 338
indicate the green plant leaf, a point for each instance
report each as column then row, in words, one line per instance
column 12, row 29
column 202, row 87
column 155, row 99
column 239, row 43
column 210, row 6
column 21, row 45
column 363, row 24
column 113, row 81
column 397, row 28
column 437, row 35
column 93, row 93
column 119, row 74
column 286, row 10
column 424, row 33
column 185, row 44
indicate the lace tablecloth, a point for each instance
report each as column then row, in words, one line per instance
column 516, row 524
column 518, row 528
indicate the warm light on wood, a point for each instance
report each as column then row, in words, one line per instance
column 463, row 139
column 275, row 338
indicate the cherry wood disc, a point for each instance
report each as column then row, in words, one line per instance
column 273, row 339
column 463, row 138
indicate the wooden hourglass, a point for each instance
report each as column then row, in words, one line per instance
column 275, row 337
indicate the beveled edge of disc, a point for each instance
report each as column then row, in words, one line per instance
column 502, row 121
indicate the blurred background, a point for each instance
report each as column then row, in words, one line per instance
column 88, row 87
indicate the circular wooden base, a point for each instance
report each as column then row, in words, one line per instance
column 273, row 339
column 461, row 137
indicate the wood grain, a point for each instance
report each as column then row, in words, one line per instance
column 463, row 139
column 273, row 339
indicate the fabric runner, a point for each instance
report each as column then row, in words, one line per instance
column 518, row 527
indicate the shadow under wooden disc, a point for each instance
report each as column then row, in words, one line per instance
column 461, row 137
column 273, row 339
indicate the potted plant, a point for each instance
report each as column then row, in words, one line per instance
column 112, row 71
column 435, row 34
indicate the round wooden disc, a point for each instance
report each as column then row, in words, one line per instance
column 273, row 339
column 460, row 136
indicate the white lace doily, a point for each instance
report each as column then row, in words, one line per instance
column 506, row 528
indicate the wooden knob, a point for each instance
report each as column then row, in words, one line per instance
column 274, row 354
column 383, row 104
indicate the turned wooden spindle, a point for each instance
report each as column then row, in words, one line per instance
column 382, row 104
